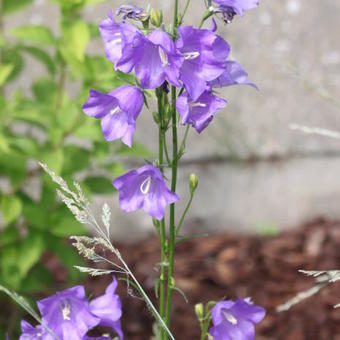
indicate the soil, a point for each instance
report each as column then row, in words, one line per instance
column 230, row 266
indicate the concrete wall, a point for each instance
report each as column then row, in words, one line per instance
column 275, row 43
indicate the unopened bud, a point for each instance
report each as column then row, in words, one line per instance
column 155, row 116
column 199, row 311
column 193, row 182
column 156, row 17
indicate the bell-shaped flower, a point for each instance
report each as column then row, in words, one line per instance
column 229, row 8
column 116, row 36
column 108, row 308
column 154, row 58
column 67, row 313
column 205, row 55
column 144, row 188
column 117, row 111
column 200, row 112
column 235, row 319
column 33, row 333
column 233, row 75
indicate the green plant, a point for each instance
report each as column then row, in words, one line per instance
column 48, row 125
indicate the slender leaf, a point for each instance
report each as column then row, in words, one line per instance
column 35, row 33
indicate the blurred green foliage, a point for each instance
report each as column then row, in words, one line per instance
column 48, row 125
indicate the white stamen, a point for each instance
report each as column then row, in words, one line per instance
column 145, row 186
column 191, row 55
column 163, row 56
column 66, row 310
column 115, row 110
column 118, row 39
column 229, row 317
column 197, row 104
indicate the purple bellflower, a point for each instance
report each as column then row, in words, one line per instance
column 67, row 313
column 108, row 308
column 233, row 75
column 235, row 320
column 144, row 188
column 33, row 333
column 116, row 36
column 131, row 12
column 199, row 113
column 205, row 55
column 229, row 8
column 117, row 111
column 154, row 58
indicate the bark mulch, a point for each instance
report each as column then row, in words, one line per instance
column 231, row 266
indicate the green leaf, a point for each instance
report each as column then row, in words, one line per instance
column 35, row 33
column 11, row 207
column 13, row 57
column 19, row 258
column 137, row 150
column 44, row 90
column 10, row 6
column 99, row 185
column 3, row 143
column 40, row 279
column 13, row 164
column 8, row 236
column 68, row 255
column 35, row 215
column 90, row 129
column 68, row 116
column 63, row 224
column 54, row 160
column 41, row 56
column 73, row 153
column 74, row 40
column 5, row 71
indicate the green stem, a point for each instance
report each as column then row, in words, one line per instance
column 162, row 281
column 184, row 213
column 172, row 232
column 182, row 147
column 60, row 88
column 185, row 11
column 207, row 15
column 2, row 88
column 166, row 150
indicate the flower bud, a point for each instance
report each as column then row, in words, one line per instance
column 193, row 183
column 155, row 116
column 199, row 310
column 156, row 17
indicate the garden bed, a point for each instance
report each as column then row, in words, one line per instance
column 232, row 266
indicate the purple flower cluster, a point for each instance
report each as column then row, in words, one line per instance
column 235, row 319
column 70, row 316
column 197, row 62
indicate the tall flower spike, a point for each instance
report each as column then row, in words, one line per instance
column 154, row 58
column 205, row 55
column 117, row 111
column 67, row 313
column 199, row 113
column 235, row 320
column 144, row 188
column 233, row 75
column 229, row 8
column 108, row 308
